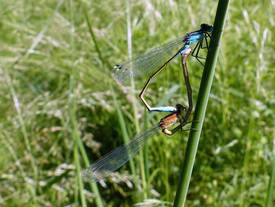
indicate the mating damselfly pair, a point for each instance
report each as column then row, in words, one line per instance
column 151, row 64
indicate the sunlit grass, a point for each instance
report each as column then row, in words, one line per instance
column 59, row 114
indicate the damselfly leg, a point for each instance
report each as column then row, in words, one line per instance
column 199, row 46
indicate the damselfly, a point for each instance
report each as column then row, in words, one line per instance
column 154, row 61
column 119, row 156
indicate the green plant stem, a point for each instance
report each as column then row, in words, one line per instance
column 98, row 200
column 271, row 184
column 94, row 40
column 23, row 128
column 199, row 114
column 75, row 135
column 123, row 128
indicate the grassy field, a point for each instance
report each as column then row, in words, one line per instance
column 61, row 110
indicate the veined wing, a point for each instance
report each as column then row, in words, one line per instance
column 147, row 63
column 117, row 157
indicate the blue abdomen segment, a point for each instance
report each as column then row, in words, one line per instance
column 164, row 109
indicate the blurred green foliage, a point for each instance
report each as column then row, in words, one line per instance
column 56, row 93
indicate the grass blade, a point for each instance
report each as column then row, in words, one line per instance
column 123, row 128
column 271, row 185
column 204, row 92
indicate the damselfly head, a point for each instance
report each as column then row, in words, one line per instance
column 206, row 27
column 181, row 109
column 181, row 112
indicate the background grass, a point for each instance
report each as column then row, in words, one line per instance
column 60, row 108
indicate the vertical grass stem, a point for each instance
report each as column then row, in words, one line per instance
column 199, row 114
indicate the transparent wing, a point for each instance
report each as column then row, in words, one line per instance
column 117, row 157
column 146, row 63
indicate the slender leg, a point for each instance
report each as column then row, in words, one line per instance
column 208, row 35
column 203, row 47
column 199, row 46
column 197, row 54
column 196, row 51
column 206, row 43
